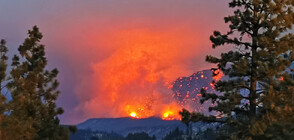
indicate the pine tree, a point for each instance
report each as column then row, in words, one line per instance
column 254, row 99
column 3, row 69
column 32, row 111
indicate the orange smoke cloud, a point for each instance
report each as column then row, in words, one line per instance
column 133, row 80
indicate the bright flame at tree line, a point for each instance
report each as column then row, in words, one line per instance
column 171, row 112
column 167, row 115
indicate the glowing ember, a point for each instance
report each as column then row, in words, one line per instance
column 170, row 86
column 218, row 75
column 282, row 78
column 202, row 76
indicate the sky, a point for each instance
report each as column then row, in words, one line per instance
column 117, row 55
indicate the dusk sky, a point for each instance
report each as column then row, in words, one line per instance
column 116, row 54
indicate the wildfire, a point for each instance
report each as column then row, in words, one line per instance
column 129, row 63
column 166, row 111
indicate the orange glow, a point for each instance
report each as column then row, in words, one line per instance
column 218, row 75
column 135, row 80
column 202, row 76
column 282, row 78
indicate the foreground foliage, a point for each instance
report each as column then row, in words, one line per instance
column 256, row 99
column 28, row 94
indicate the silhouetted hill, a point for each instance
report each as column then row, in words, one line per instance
column 124, row 126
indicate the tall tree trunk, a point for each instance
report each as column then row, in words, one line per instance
column 253, row 76
column 253, row 82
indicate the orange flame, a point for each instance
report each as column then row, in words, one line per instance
column 169, row 115
column 134, row 115
column 171, row 112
